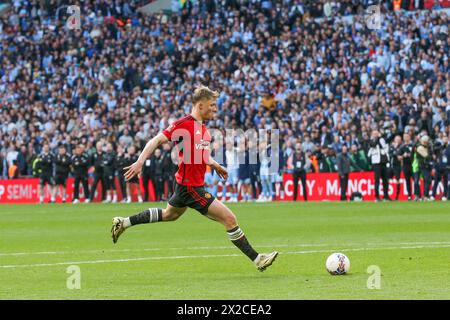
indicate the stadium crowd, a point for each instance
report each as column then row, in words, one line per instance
column 326, row 84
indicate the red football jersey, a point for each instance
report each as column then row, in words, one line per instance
column 193, row 141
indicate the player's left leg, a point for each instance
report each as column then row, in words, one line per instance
column 151, row 215
column 219, row 212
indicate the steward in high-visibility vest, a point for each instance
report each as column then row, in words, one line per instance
column 13, row 171
column 37, row 167
column 397, row 5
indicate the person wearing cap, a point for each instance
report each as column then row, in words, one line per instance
column 422, row 166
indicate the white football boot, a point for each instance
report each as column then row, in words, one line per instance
column 117, row 228
column 264, row 260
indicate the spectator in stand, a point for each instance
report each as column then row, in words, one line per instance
column 124, row 81
column 13, row 171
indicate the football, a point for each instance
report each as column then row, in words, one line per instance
column 337, row 264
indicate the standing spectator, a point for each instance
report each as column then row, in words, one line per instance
column 264, row 172
column 169, row 168
column 62, row 169
column 233, row 172
column 148, row 175
column 379, row 158
column 358, row 159
column 158, row 175
column 80, row 166
column 3, row 166
column 11, row 154
column 301, row 165
column 13, row 171
column 406, row 153
column 46, row 160
column 442, row 167
column 343, row 164
column 121, row 162
column 109, row 168
column 422, row 165
column 253, row 168
column 396, row 162
column 97, row 160
column 244, row 174
column 22, row 158
column 132, row 158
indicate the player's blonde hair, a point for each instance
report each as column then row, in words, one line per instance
column 203, row 93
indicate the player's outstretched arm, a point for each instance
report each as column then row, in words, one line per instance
column 149, row 148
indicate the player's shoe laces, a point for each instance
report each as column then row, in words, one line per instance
column 265, row 260
column 117, row 228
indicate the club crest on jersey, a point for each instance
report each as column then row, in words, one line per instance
column 203, row 145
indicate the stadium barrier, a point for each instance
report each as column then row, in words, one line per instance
column 320, row 187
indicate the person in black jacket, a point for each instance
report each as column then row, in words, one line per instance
column 98, row 162
column 80, row 165
column 170, row 168
column 406, row 153
column 301, row 165
column 109, row 168
column 442, row 167
column 253, row 168
column 157, row 165
column 121, row 162
column 46, row 160
column 147, row 176
column 343, row 164
column 62, row 164
column 131, row 157
column 395, row 156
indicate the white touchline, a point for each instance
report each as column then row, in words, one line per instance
column 5, row 254
column 212, row 256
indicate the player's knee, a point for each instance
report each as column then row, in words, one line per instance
column 170, row 215
column 231, row 220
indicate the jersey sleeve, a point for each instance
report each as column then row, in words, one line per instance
column 169, row 130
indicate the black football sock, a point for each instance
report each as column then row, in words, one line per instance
column 148, row 216
column 238, row 238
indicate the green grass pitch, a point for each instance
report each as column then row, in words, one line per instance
column 193, row 259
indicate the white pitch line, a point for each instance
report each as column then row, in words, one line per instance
column 211, row 256
column 153, row 249
column 207, row 248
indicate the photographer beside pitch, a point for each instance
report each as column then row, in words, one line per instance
column 422, row 166
column 441, row 167
column 190, row 178
column 379, row 158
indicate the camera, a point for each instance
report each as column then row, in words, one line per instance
column 374, row 142
column 438, row 147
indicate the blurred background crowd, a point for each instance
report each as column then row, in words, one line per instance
column 324, row 80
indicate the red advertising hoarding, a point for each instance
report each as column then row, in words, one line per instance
column 320, row 187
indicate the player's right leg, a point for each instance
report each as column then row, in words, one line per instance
column 219, row 212
column 151, row 215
